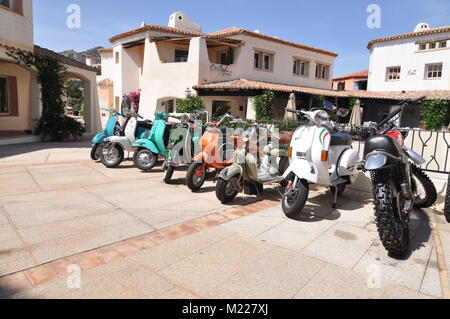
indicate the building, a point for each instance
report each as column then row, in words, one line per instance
column 419, row 60
column 167, row 62
column 352, row 82
column 90, row 57
column 20, row 105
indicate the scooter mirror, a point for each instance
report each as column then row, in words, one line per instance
column 328, row 105
column 343, row 112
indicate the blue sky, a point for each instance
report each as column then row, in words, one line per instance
column 334, row 25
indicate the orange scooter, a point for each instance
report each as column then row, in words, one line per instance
column 216, row 152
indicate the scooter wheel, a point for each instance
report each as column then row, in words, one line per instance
column 169, row 174
column 144, row 159
column 114, row 158
column 226, row 191
column 294, row 202
column 195, row 181
column 96, row 152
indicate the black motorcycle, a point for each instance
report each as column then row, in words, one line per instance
column 399, row 185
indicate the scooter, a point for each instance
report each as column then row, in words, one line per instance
column 112, row 128
column 250, row 172
column 115, row 146
column 318, row 157
column 216, row 149
column 183, row 142
column 149, row 147
column 398, row 183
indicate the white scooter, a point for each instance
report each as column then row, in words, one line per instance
column 318, row 157
column 115, row 146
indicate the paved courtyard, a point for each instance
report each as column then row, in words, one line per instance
column 70, row 228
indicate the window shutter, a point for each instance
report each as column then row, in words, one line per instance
column 13, row 96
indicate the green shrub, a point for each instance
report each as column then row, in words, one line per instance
column 263, row 105
column 434, row 113
column 55, row 127
column 190, row 104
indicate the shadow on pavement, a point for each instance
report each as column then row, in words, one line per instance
column 20, row 149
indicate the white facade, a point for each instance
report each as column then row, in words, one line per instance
column 155, row 60
column 107, row 66
column 411, row 63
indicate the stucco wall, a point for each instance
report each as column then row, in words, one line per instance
column 107, row 66
column 405, row 53
column 22, row 122
column 17, row 29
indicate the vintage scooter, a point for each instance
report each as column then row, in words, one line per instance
column 317, row 156
column 149, row 147
column 183, row 142
column 399, row 184
column 114, row 147
column 250, row 171
column 112, row 128
column 216, row 149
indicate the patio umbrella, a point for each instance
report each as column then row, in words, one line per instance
column 291, row 105
column 356, row 118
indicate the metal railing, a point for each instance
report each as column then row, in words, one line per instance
column 434, row 146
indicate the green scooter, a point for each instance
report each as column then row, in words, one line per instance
column 153, row 143
column 184, row 142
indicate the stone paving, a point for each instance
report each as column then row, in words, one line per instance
column 132, row 236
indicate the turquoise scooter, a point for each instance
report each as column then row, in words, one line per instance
column 113, row 128
column 153, row 144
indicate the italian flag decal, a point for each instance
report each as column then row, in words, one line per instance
column 323, row 136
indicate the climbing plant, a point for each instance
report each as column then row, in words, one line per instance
column 74, row 96
column 50, row 75
column 264, row 105
column 434, row 113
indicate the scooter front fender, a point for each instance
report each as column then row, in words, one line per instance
column 146, row 144
column 230, row 172
column 98, row 139
column 303, row 170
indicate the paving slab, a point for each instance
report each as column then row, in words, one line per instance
column 213, row 266
column 342, row 245
column 296, row 235
column 253, row 225
column 175, row 251
column 17, row 183
column 408, row 273
column 280, row 273
column 66, row 176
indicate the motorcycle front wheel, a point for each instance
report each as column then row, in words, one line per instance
column 294, row 200
column 424, row 190
column 114, row 157
column 226, row 191
column 144, row 159
column 169, row 174
column 447, row 202
column 392, row 220
column 96, row 152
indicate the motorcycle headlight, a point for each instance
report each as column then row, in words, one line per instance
column 322, row 118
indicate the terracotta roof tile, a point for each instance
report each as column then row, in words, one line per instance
column 105, row 83
column 410, row 35
column 220, row 34
column 360, row 74
column 236, row 31
column 105, row 50
column 63, row 59
column 159, row 28
column 243, row 84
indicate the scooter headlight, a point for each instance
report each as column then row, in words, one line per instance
column 322, row 118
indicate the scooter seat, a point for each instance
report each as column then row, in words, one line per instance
column 341, row 139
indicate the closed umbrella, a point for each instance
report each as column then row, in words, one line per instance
column 291, row 105
column 356, row 118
